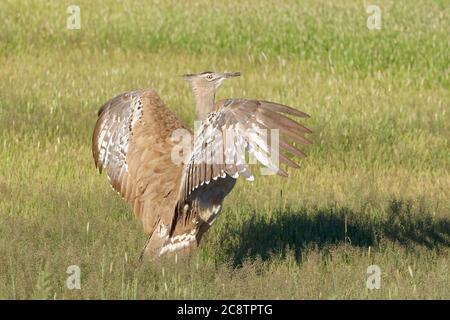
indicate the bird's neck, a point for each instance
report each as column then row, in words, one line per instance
column 204, row 102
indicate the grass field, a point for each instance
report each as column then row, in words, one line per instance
column 374, row 189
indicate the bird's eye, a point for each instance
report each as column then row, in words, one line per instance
column 209, row 76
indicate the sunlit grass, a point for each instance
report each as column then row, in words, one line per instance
column 374, row 188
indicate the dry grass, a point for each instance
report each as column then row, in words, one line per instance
column 373, row 190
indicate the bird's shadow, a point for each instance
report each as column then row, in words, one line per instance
column 292, row 231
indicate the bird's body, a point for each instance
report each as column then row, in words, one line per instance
column 178, row 202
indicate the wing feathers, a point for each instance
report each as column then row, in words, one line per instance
column 272, row 106
column 242, row 122
column 131, row 142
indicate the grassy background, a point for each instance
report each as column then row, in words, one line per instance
column 373, row 190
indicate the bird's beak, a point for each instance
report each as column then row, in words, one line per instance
column 231, row 74
column 186, row 76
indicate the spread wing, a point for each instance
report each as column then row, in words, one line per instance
column 239, row 127
column 132, row 143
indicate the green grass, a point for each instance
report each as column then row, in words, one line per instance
column 374, row 188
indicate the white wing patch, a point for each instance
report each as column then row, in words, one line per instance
column 179, row 242
column 115, row 134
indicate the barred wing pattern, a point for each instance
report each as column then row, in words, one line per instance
column 230, row 131
column 132, row 143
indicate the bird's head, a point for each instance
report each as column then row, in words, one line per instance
column 204, row 86
column 208, row 79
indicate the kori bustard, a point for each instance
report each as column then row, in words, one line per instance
column 177, row 202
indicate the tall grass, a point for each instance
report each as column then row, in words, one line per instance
column 374, row 188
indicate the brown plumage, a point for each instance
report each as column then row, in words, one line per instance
column 178, row 202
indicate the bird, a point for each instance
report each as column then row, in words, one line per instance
column 178, row 201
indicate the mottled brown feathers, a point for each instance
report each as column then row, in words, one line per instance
column 146, row 178
column 177, row 203
column 240, row 115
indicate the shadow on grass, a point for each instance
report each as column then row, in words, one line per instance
column 295, row 230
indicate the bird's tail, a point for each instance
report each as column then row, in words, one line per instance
column 157, row 246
